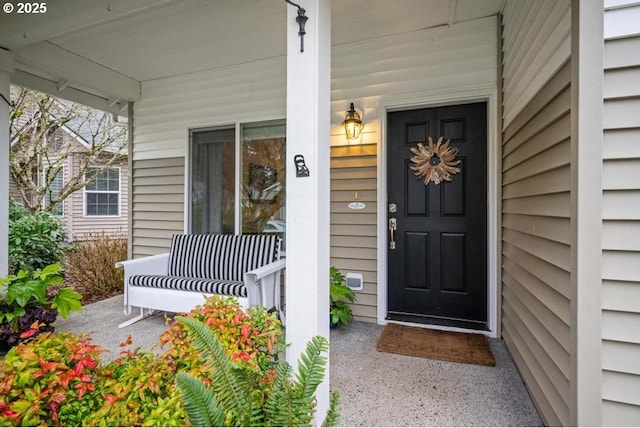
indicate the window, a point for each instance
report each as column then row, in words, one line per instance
column 102, row 195
column 54, row 190
column 237, row 181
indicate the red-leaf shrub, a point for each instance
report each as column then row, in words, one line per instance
column 58, row 380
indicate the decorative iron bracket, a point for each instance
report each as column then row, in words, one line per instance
column 301, row 19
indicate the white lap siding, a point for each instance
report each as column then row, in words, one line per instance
column 536, row 200
column 621, row 216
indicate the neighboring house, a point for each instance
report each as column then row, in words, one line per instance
column 535, row 241
column 100, row 206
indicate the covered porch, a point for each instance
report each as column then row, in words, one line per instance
column 535, row 68
column 174, row 67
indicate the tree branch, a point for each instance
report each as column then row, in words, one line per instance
column 38, row 156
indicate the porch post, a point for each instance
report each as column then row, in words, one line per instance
column 587, row 79
column 6, row 68
column 308, row 129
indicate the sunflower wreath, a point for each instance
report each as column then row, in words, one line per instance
column 435, row 162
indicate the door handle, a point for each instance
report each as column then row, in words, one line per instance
column 392, row 229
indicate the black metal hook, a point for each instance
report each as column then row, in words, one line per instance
column 301, row 19
column 12, row 105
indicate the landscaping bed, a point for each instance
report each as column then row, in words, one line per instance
column 60, row 380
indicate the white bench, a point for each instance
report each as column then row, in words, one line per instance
column 198, row 266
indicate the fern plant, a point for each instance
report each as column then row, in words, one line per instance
column 230, row 397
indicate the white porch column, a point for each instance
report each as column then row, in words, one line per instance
column 6, row 68
column 308, row 128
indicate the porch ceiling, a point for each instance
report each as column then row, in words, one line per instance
column 142, row 40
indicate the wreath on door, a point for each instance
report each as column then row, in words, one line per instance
column 435, row 161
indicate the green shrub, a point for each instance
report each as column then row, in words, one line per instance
column 90, row 265
column 231, row 397
column 138, row 388
column 49, row 381
column 253, row 337
column 35, row 240
column 141, row 389
column 29, row 305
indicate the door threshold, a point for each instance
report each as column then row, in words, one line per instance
column 484, row 332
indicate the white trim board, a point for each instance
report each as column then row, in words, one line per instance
column 490, row 96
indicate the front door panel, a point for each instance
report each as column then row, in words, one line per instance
column 437, row 269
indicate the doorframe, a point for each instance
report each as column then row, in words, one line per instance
column 489, row 95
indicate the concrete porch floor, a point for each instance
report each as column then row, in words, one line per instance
column 376, row 389
column 381, row 389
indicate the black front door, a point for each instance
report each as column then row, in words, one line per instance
column 437, row 254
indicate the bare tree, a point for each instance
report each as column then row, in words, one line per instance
column 39, row 150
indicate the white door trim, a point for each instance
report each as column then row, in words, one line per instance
column 490, row 96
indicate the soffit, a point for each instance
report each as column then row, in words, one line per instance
column 152, row 39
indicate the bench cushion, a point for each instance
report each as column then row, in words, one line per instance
column 208, row 286
column 221, row 257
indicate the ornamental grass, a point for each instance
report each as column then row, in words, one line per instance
column 90, row 265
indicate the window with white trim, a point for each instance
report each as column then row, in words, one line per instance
column 102, row 195
column 53, row 191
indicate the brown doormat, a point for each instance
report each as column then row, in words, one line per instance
column 435, row 344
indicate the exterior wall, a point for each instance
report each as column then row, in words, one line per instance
column 76, row 224
column 373, row 74
column 353, row 234
column 536, row 43
column 404, row 69
column 621, row 216
column 536, row 198
column 158, row 204
column 67, row 211
column 169, row 107
column 14, row 193
column 162, row 119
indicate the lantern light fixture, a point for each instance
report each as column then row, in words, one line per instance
column 352, row 123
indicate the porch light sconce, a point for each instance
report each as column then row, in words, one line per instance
column 301, row 19
column 352, row 123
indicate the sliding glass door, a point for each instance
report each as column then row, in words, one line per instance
column 238, row 181
column 212, row 181
column 263, row 178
